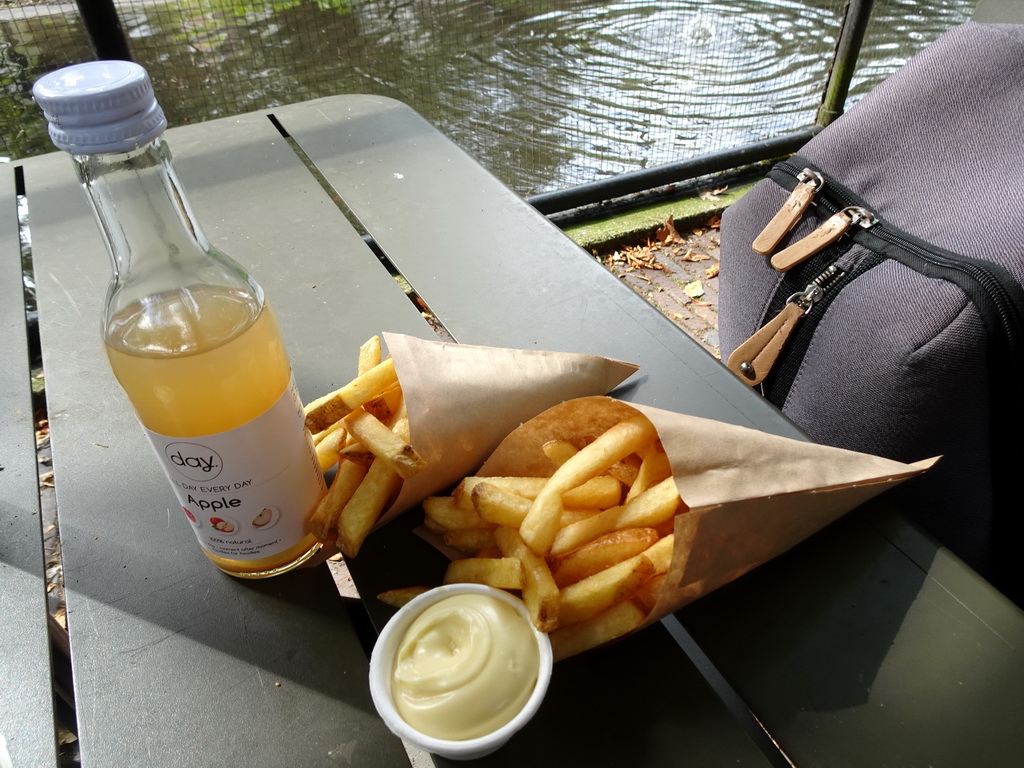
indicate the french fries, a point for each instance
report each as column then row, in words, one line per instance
column 362, row 430
column 498, row 572
column 540, row 593
column 588, row 548
column 541, row 523
column 617, row 621
column 396, row 598
column 384, row 442
column 324, row 411
column 601, row 553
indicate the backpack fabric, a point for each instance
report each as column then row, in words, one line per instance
column 915, row 347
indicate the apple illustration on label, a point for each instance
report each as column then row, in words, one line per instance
column 264, row 517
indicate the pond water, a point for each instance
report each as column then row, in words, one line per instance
column 545, row 93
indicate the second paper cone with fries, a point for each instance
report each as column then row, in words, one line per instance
column 518, row 443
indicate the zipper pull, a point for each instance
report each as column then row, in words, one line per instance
column 789, row 214
column 754, row 359
column 833, row 228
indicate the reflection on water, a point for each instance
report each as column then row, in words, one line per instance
column 546, row 93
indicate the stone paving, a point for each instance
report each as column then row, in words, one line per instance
column 676, row 270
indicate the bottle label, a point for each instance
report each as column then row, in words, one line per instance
column 247, row 492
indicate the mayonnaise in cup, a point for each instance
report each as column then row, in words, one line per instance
column 459, row 669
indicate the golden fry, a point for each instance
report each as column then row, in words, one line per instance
column 432, row 525
column 495, row 505
column 596, row 493
column 357, row 517
column 396, row 598
column 599, row 592
column 384, row 443
column 498, row 572
column 369, row 355
column 358, row 453
column 571, row 516
column 617, row 621
column 329, row 447
column 540, row 593
column 660, row 553
column 445, row 512
column 499, row 506
column 628, row 436
column 385, row 405
column 647, row 596
column 626, row 470
column 559, row 451
column 601, row 553
column 656, row 505
column 323, row 523
column 328, row 409
column 654, row 468
column 471, row 541
column 577, row 534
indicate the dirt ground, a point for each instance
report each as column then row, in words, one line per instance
column 677, row 272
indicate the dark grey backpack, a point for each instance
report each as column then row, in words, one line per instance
column 890, row 309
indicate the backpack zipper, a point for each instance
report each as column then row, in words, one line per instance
column 983, row 280
column 987, row 285
column 754, row 360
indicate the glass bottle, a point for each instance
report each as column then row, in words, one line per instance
column 189, row 334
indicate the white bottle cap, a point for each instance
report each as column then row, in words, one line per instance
column 100, row 107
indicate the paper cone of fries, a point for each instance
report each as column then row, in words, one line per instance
column 464, row 400
column 417, row 420
column 747, row 497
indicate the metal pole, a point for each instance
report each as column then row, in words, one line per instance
column 103, row 27
column 671, row 173
column 851, row 36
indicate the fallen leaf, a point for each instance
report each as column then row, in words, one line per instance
column 692, row 255
column 638, row 257
column 715, row 222
column 711, row 271
column 712, row 194
column 667, row 233
column 694, row 289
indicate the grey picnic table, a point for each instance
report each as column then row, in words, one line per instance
column 866, row 645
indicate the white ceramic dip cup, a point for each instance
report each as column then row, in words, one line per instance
column 382, row 663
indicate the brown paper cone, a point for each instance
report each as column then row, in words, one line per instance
column 751, row 495
column 463, row 400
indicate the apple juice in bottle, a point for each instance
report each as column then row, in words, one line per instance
column 189, row 334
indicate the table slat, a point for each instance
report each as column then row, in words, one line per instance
column 494, row 270
column 26, row 691
column 846, row 641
